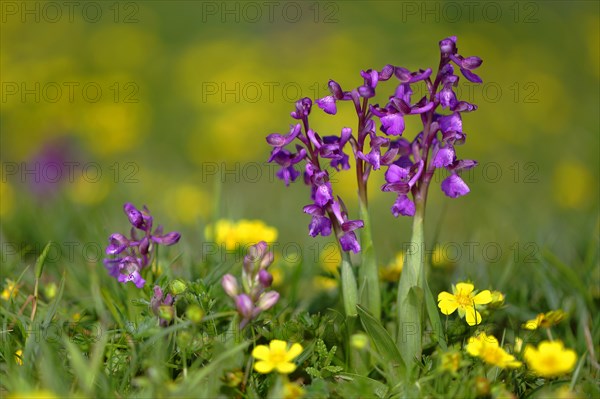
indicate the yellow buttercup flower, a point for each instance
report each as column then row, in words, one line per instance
column 238, row 235
column 545, row 320
column 276, row 356
column 10, row 290
column 392, row 271
column 486, row 347
column 550, row 359
column 464, row 299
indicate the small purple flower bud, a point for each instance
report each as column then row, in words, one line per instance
column 244, row 306
column 267, row 300
column 448, row 45
column 267, row 260
column 335, row 89
column 366, row 91
column 463, row 106
column 471, row 76
column 403, row 74
column 471, row 63
column 144, row 246
column 386, row 72
column 265, row 278
column 278, row 140
column 230, row 285
column 453, row 186
column 135, row 216
column 167, row 239
column 303, row 107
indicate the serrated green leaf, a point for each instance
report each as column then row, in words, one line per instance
column 313, row 372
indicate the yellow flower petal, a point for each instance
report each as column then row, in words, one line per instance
column 294, row 351
column 286, row 367
column 448, row 306
column 445, row 296
column 473, row 317
column 277, row 345
column 261, row 352
column 263, row 367
column 464, row 288
column 483, row 297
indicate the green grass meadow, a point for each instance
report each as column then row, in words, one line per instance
column 167, row 104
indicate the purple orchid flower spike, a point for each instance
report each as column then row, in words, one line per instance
column 135, row 253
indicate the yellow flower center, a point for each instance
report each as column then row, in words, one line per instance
column 550, row 362
column 464, row 300
column 277, row 357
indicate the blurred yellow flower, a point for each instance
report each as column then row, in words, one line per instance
column 450, row 361
column 10, row 290
column 359, row 341
column 237, row 235
column 186, row 203
column 486, row 347
column 8, row 198
column 439, row 259
column 545, row 320
column 112, row 127
column 579, row 181
column 325, row 283
column 464, row 299
column 88, row 190
column 392, row 271
column 33, row 395
column 330, row 259
column 19, row 357
column 292, row 390
column 497, row 299
column 277, row 274
column 518, row 346
column 550, row 359
column 276, row 356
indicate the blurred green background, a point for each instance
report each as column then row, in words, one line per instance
column 167, row 103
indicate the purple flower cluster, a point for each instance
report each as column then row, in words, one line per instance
column 327, row 212
column 410, row 164
column 252, row 298
column 135, row 253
